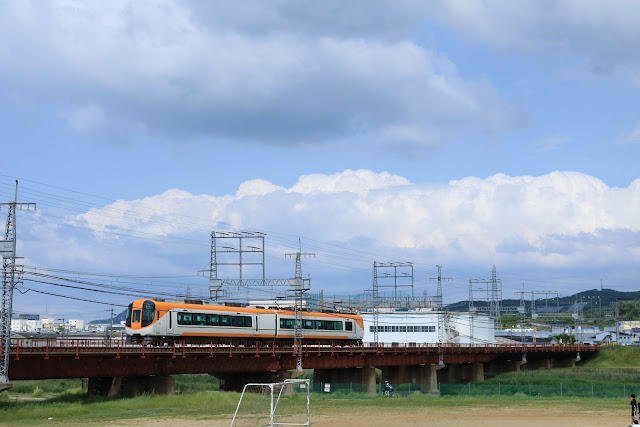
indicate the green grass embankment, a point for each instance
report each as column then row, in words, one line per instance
column 611, row 366
column 613, row 357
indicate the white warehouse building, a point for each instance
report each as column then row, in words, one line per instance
column 421, row 327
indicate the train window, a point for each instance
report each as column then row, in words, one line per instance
column 225, row 320
column 348, row 326
column 136, row 316
column 307, row 324
column 200, row 319
column 287, row 323
column 317, row 324
column 331, row 325
column 212, row 320
column 148, row 313
column 184, row 319
column 242, row 321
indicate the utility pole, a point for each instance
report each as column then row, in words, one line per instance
column 299, row 256
column 9, row 282
column 576, row 317
column 299, row 289
column 522, row 309
column 376, row 303
column 617, row 328
column 472, row 310
column 111, row 329
column 438, row 299
column 496, row 295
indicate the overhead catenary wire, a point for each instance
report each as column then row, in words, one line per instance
column 75, row 298
column 89, row 283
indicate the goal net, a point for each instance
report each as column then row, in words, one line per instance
column 273, row 404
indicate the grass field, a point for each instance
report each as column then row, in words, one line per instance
column 79, row 409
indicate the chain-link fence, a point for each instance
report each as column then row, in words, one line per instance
column 358, row 390
column 350, row 389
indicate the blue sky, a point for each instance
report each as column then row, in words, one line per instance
column 466, row 134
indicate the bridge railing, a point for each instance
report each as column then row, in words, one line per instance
column 67, row 345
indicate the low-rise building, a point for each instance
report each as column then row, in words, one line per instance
column 76, row 325
column 428, row 327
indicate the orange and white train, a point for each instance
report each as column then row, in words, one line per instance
column 159, row 322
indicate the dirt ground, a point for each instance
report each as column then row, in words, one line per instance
column 432, row 417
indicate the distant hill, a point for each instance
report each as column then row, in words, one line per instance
column 607, row 298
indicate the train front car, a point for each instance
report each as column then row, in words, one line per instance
column 156, row 322
column 142, row 320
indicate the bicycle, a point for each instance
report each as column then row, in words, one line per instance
column 390, row 394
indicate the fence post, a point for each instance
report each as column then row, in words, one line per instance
column 469, row 389
column 560, row 389
column 499, row 389
column 529, row 390
column 592, row 390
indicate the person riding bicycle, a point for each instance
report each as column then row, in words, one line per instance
column 388, row 389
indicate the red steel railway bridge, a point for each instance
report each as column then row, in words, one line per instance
column 114, row 367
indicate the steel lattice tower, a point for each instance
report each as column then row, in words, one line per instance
column 496, row 295
column 8, row 252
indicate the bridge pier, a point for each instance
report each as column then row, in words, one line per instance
column 506, row 365
column 364, row 377
column 533, row 365
column 567, row 362
column 237, row 380
column 130, row 386
column 424, row 376
column 462, row 373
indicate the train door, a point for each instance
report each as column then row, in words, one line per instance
column 163, row 322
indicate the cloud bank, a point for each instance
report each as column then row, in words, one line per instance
column 558, row 220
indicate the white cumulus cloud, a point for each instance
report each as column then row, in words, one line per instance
column 562, row 218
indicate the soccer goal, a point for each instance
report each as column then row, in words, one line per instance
column 273, row 404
